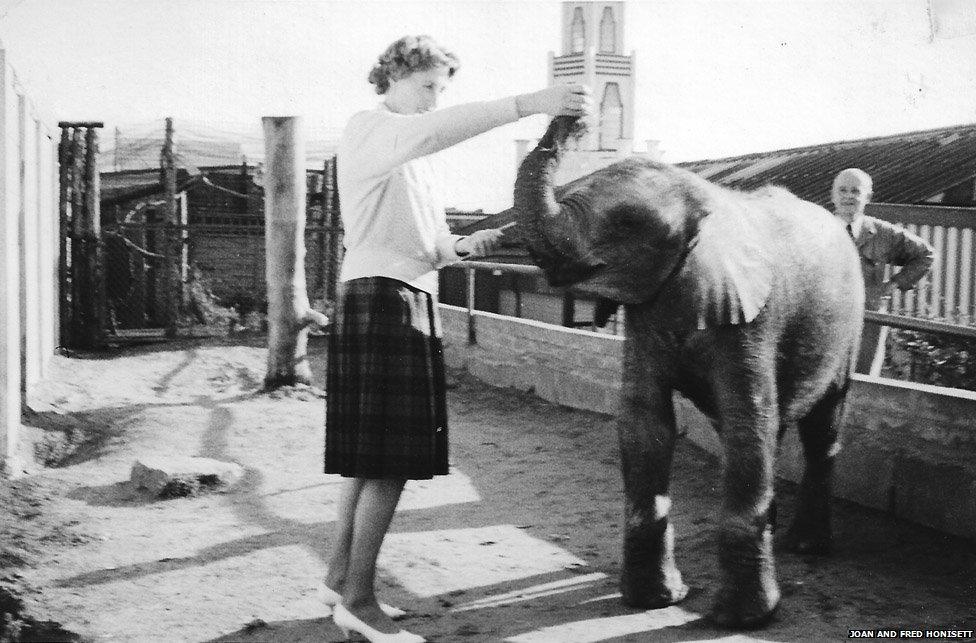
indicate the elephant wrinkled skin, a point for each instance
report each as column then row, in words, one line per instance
column 750, row 305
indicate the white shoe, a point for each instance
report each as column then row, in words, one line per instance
column 330, row 598
column 348, row 623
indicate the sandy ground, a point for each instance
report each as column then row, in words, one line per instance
column 520, row 543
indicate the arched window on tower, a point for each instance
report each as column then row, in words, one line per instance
column 608, row 32
column 611, row 117
column 577, row 32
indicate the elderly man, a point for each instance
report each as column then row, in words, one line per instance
column 879, row 243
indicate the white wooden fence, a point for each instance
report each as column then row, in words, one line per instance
column 28, row 257
column 948, row 292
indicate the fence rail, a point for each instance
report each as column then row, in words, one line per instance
column 883, row 318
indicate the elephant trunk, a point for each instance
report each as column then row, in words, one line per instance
column 552, row 233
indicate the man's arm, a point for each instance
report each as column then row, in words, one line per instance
column 908, row 250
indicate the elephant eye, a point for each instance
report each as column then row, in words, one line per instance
column 626, row 220
column 641, row 224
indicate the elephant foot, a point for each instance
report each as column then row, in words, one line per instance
column 748, row 594
column 808, row 541
column 737, row 608
column 638, row 592
column 650, row 578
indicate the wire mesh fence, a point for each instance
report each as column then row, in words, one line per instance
column 222, row 276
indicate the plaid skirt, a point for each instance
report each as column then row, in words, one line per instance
column 386, row 408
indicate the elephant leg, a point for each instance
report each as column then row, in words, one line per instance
column 647, row 434
column 748, row 594
column 810, row 532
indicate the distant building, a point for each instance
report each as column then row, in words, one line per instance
column 593, row 54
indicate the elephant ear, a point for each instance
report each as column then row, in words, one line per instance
column 728, row 273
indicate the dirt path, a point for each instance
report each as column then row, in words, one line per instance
column 520, row 543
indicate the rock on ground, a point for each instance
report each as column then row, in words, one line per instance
column 169, row 476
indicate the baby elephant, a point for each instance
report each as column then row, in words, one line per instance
column 750, row 305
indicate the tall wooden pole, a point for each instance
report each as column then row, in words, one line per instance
column 335, row 234
column 78, row 281
column 80, row 266
column 322, row 236
column 64, row 230
column 170, row 281
column 183, row 250
column 289, row 313
column 81, row 262
column 94, row 251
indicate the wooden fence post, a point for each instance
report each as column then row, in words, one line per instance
column 64, row 231
column 323, row 235
column 169, row 234
column 82, row 205
column 183, row 250
column 77, row 218
column 94, row 262
column 335, row 235
column 135, row 313
column 289, row 313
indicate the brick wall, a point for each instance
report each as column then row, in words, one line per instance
column 909, row 449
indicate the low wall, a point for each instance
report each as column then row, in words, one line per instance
column 909, row 449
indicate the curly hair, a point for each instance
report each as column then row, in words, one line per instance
column 407, row 55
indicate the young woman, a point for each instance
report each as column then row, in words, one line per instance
column 386, row 418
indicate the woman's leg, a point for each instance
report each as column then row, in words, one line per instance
column 374, row 511
column 335, row 578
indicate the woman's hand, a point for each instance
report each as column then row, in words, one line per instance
column 572, row 99
column 478, row 243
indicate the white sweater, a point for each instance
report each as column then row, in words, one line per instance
column 390, row 196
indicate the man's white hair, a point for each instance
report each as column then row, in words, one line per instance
column 863, row 176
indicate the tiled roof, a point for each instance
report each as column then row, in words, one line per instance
column 906, row 168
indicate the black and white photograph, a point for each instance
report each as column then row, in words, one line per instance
column 487, row 321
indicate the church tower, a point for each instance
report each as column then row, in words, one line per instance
column 593, row 54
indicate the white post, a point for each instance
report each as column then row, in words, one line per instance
column 30, row 317
column 47, row 209
column 9, row 275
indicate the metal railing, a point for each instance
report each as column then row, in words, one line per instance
column 919, row 324
column 470, row 267
column 884, row 319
